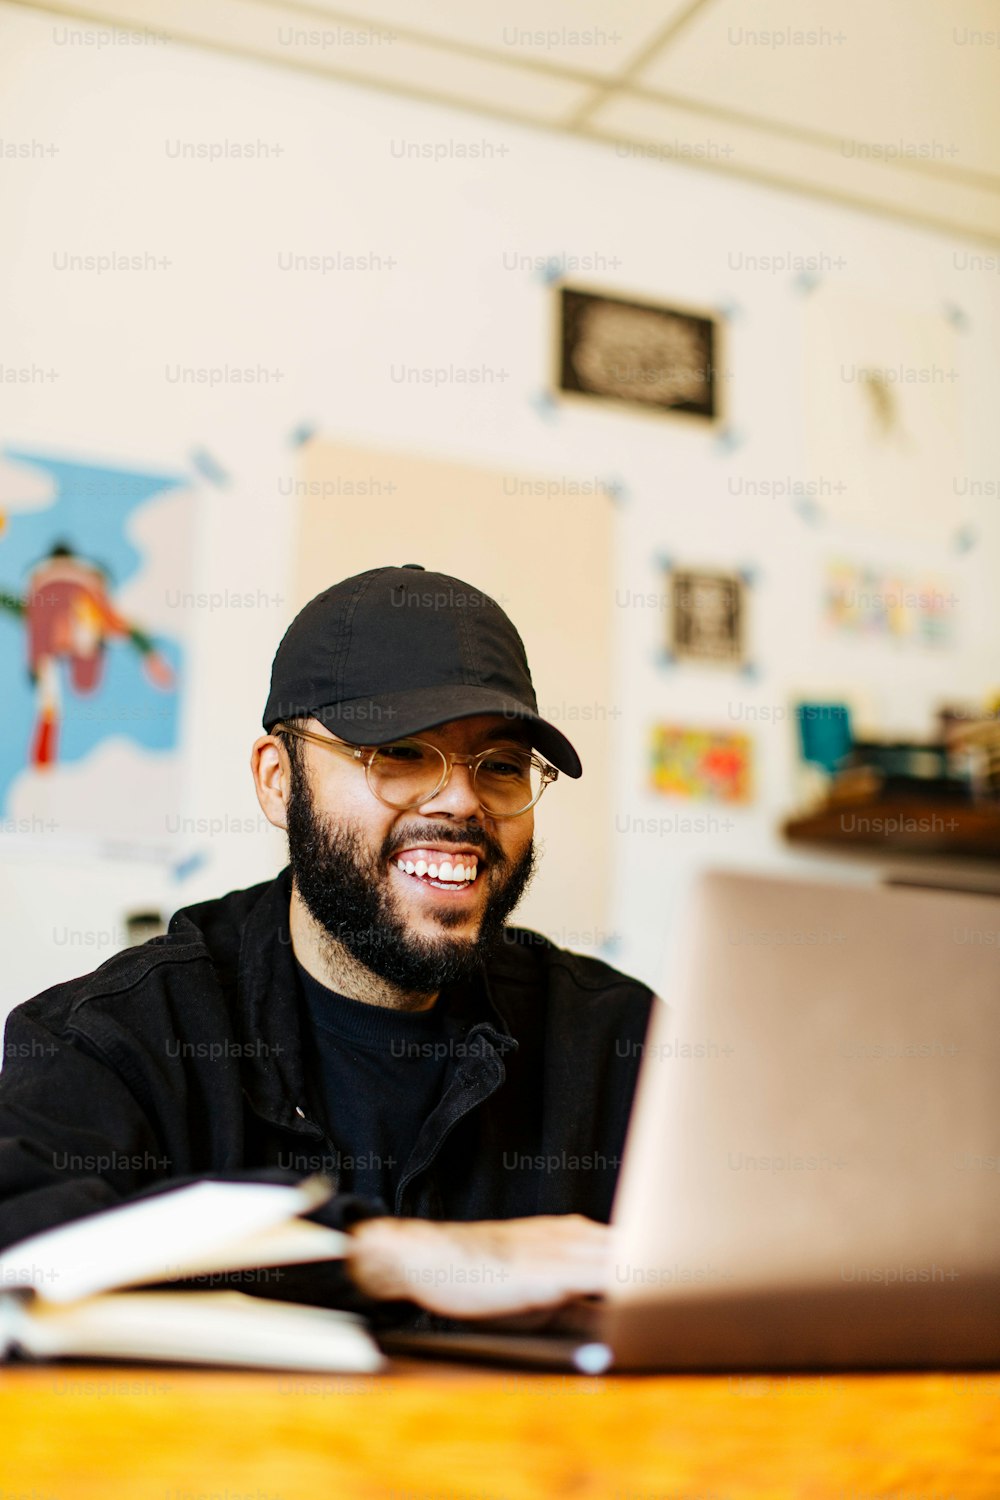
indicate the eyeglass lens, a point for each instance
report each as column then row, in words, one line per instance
column 405, row 774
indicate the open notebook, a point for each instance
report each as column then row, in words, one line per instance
column 66, row 1293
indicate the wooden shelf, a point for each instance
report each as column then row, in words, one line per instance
column 902, row 825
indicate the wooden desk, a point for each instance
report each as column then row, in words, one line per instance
column 449, row 1432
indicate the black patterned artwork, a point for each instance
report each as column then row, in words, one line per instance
column 618, row 350
column 707, row 617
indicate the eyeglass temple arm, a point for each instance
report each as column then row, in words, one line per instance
column 355, row 752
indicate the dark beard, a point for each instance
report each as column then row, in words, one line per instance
column 345, row 888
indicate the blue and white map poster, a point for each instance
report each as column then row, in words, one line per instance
column 92, row 656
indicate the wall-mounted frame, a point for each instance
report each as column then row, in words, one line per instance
column 707, row 617
column 700, row 764
column 647, row 356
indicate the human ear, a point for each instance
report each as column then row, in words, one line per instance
column 272, row 778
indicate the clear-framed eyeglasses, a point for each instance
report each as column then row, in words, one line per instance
column 406, row 773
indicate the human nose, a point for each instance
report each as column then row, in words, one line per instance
column 458, row 797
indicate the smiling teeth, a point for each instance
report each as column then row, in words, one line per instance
column 462, row 872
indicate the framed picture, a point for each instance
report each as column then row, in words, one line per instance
column 702, row 765
column 617, row 349
column 868, row 601
column 707, row 617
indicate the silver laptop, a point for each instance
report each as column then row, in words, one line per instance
column 812, row 1173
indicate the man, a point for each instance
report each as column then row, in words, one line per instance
column 368, row 1014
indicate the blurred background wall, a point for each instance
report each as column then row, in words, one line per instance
column 372, row 234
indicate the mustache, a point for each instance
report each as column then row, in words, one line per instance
column 476, row 838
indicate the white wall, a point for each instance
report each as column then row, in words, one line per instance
column 335, row 178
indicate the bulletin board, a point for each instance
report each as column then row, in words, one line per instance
column 543, row 547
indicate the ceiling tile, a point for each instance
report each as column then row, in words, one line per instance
column 917, row 78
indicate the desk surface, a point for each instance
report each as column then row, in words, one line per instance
column 455, row 1432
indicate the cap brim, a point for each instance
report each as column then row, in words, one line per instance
column 376, row 721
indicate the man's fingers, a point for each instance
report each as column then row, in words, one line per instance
column 482, row 1269
column 577, row 1239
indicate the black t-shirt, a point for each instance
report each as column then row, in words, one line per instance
column 375, row 1075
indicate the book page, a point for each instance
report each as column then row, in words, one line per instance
column 219, row 1328
column 294, row 1243
column 157, row 1238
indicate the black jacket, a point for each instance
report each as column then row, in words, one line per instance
column 183, row 1058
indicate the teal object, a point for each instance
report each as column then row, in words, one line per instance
column 824, row 733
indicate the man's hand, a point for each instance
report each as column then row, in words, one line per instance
column 482, row 1270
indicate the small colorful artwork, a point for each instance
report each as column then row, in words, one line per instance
column 873, row 602
column 638, row 353
column 701, row 764
column 706, row 617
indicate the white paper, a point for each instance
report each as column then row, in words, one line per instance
column 155, row 1238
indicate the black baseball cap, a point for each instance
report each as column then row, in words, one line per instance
column 394, row 651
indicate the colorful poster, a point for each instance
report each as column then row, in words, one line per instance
column 874, row 603
column 92, row 661
column 701, row 764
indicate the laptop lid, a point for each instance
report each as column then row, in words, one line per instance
column 812, row 1174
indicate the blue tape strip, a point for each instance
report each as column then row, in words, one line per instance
column 209, row 468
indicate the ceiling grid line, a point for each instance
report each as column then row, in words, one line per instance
column 657, row 46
